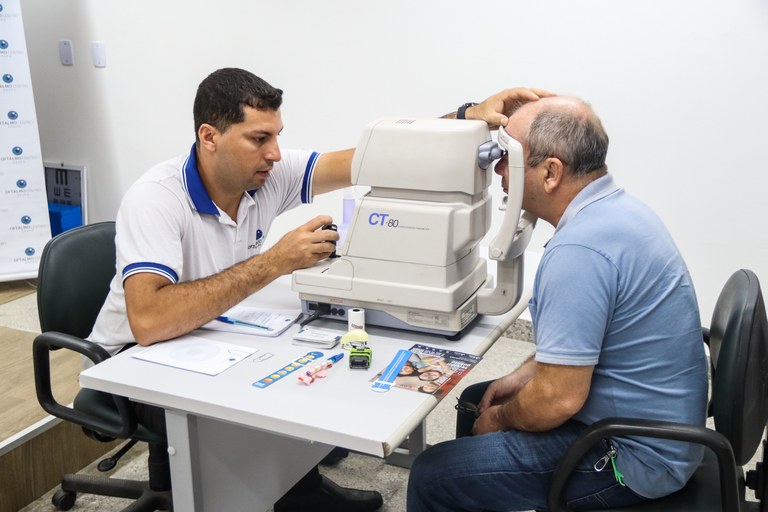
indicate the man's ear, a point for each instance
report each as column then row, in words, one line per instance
column 555, row 174
column 207, row 134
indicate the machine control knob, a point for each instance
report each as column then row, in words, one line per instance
column 332, row 227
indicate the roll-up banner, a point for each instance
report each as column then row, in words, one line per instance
column 24, row 221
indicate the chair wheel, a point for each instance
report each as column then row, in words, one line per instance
column 106, row 464
column 63, row 500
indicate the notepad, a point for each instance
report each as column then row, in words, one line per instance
column 256, row 321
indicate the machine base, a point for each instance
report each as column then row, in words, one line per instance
column 450, row 325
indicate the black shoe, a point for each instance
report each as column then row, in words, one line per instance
column 334, row 456
column 330, row 497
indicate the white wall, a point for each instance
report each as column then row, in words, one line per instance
column 680, row 86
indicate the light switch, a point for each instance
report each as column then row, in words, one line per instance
column 99, row 52
column 65, row 52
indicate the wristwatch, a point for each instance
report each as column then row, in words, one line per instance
column 462, row 110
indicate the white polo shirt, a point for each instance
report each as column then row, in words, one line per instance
column 168, row 225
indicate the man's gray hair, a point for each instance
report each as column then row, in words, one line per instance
column 578, row 140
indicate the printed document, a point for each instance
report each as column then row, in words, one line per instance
column 258, row 321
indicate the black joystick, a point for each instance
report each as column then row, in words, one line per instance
column 333, row 228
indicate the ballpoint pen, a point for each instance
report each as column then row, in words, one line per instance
column 318, row 370
column 233, row 321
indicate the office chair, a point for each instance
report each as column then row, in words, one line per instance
column 738, row 344
column 76, row 268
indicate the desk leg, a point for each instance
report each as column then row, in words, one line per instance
column 416, row 443
column 182, row 440
column 219, row 466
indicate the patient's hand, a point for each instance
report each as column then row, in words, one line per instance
column 488, row 422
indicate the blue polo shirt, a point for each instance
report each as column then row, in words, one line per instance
column 613, row 291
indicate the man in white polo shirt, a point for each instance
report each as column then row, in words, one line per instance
column 189, row 234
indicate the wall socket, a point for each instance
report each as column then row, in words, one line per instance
column 66, row 55
column 99, row 52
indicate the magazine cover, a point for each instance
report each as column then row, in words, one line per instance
column 433, row 370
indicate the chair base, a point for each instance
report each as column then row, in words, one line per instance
column 146, row 499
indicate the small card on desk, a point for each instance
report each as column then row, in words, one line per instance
column 316, row 337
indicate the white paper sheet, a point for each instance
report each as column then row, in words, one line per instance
column 196, row 354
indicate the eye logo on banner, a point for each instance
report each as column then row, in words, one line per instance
column 8, row 78
column 29, row 251
column 21, row 183
column 26, row 219
column 3, row 44
column 13, row 115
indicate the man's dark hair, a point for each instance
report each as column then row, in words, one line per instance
column 578, row 140
column 221, row 96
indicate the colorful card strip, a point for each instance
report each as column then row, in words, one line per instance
column 287, row 369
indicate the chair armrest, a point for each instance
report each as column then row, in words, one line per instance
column 609, row 427
column 41, row 349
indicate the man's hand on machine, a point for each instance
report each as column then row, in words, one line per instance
column 305, row 245
column 496, row 109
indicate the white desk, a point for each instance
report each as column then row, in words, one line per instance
column 237, row 447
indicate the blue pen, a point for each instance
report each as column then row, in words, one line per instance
column 234, row 321
column 336, row 358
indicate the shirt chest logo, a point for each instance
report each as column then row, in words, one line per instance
column 256, row 245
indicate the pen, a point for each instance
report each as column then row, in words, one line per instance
column 335, row 359
column 233, row 321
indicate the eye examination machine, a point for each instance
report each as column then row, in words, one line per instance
column 411, row 255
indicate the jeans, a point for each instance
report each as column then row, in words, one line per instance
column 506, row 471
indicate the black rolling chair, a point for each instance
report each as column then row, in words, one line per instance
column 738, row 341
column 76, row 268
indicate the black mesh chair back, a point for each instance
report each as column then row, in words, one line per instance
column 739, row 351
column 76, row 268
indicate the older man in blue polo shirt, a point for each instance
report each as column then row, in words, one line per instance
column 617, row 333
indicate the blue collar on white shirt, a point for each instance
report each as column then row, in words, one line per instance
column 193, row 184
